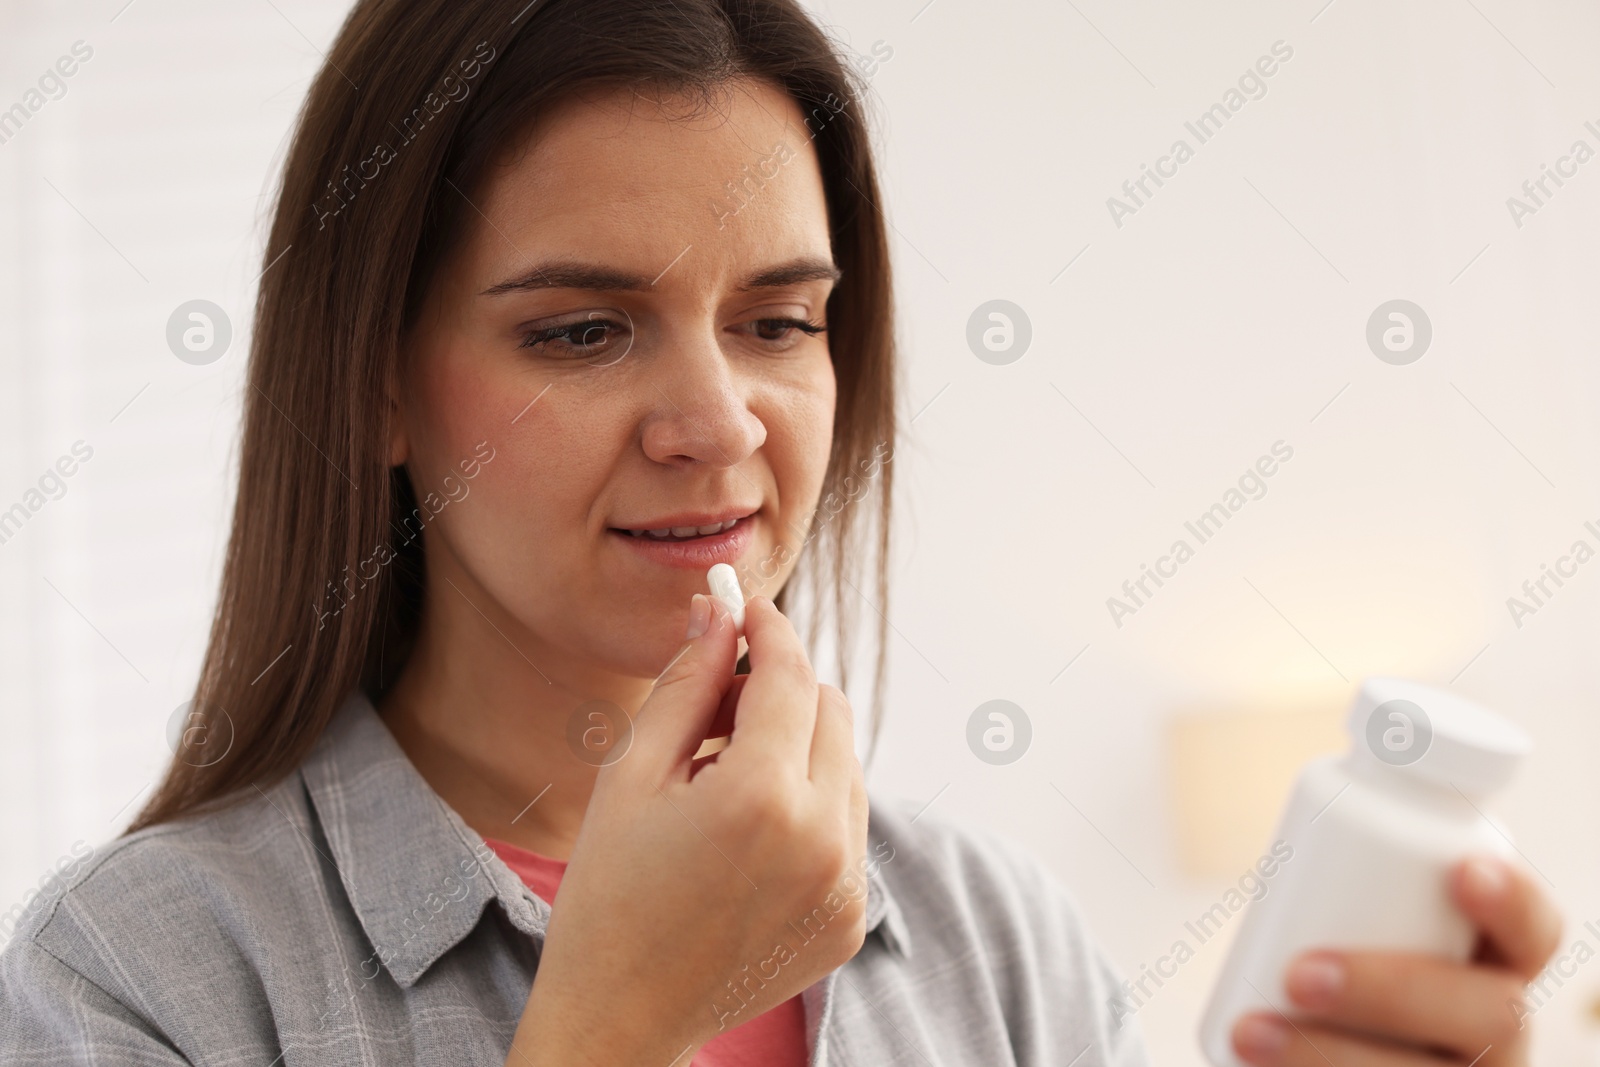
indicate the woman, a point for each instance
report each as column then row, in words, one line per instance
column 566, row 302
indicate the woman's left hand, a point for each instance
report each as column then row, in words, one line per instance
column 1389, row 1009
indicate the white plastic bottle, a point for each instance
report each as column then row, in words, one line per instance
column 1374, row 833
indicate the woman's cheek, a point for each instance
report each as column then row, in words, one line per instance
column 799, row 451
column 818, row 431
column 557, row 461
column 806, row 403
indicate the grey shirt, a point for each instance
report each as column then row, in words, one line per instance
column 343, row 916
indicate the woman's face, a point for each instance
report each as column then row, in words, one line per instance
column 619, row 325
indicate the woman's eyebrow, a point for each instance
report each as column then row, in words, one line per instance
column 574, row 274
column 803, row 269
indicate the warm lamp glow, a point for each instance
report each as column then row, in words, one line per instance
column 1231, row 772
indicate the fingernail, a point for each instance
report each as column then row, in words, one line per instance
column 699, row 616
column 1260, row 1038
column 1485, row 878
column 1315, row 981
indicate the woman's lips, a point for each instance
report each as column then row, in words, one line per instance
column 693, row 552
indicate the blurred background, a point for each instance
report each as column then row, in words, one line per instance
column 1153, row 343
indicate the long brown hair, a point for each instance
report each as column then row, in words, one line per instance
column 416, row 97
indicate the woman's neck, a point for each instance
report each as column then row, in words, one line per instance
column 488, row 730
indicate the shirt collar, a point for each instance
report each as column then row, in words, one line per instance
column 418, row 877
column 883, row 911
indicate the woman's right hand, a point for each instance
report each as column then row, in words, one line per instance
column 681, row 910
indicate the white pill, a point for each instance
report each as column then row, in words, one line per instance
column 724, row 584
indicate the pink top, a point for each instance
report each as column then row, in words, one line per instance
column 775, row 1038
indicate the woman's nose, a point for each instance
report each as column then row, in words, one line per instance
column 698, row 412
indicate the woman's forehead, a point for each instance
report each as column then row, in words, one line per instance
column 639, row 183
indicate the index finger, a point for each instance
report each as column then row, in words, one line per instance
column 777, row 710
column 1517, row 917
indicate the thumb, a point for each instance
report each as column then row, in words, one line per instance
column 672, row 723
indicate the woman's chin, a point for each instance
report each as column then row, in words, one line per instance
column 644, row 659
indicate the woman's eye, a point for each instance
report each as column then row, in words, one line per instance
column 779, row 330
column 590, row 338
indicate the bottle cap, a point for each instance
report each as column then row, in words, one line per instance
column 1435, row 735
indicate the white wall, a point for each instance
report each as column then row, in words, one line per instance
column 1223, row 316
